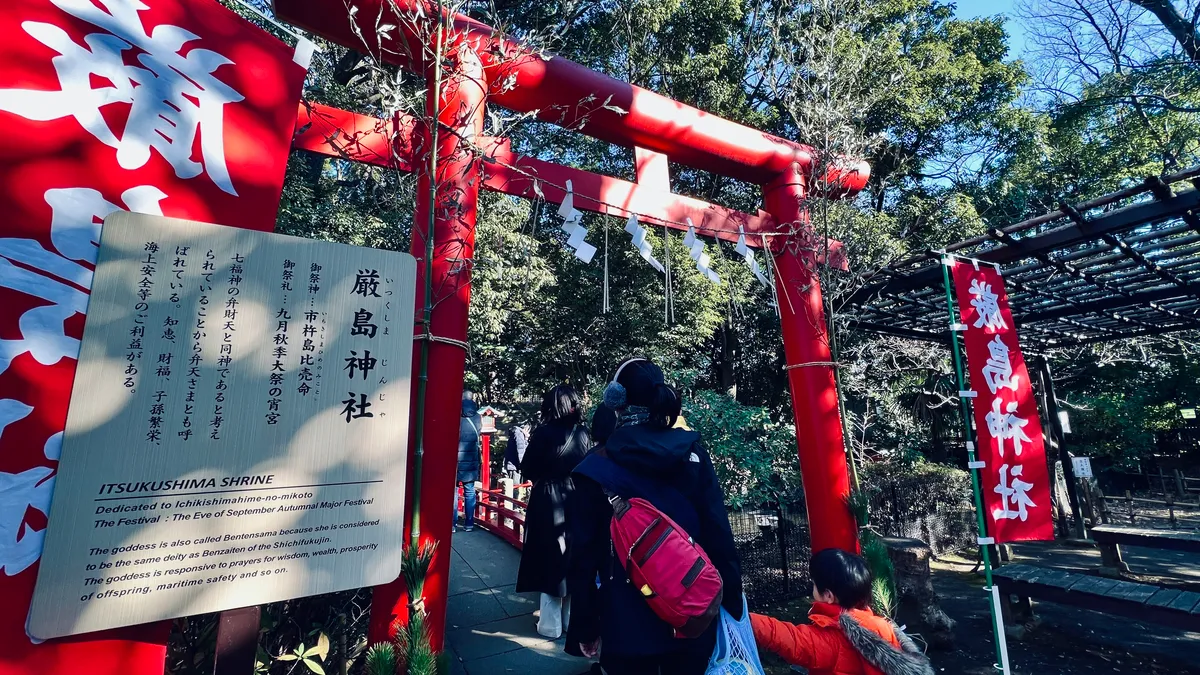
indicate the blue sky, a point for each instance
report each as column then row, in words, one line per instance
column 968, row 9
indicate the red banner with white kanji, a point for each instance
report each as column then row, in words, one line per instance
column 165, row 107
column 1015, row 480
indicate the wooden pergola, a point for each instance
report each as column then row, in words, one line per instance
column 1119, row 266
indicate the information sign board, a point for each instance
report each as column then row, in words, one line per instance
column 1082, row 466
column 237, row 430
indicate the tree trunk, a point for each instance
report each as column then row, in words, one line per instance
column 725, row 366
column 935, row 429
column 1183, row 30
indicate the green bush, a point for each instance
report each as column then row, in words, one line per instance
column 755, row 457
column 920, row 500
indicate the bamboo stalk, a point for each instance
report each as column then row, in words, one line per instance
column 427, row 304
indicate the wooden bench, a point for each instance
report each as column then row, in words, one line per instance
column 1110, row 538
column 1143, row 602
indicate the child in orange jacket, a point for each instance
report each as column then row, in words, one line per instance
column 845, row 636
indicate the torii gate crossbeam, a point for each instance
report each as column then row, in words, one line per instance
column 360, row 138
column 481, row 66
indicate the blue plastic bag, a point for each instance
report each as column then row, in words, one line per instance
column 736, row 652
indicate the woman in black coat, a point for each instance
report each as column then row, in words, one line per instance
column 554, row 449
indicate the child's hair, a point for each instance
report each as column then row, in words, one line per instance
column 665, row 406
column 843, row 574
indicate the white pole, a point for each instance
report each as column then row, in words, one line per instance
column 1000, row 631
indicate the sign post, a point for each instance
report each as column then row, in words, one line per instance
column 239, row 436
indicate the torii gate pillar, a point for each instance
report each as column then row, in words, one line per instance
column 553, row 89
column 810, row 372
column 452, row 216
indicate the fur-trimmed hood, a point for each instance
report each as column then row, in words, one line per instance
column 880, row 653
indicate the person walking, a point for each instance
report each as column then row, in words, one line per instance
column 645, row 456
column 554, row 450
column 470, row 448
column 514, row 450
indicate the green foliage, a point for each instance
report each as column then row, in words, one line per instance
column 918, row 499
column 412, row 653
column 884, row 596
column 413, row 648
column 311, row 657
column 415, row 567
column 1111, row 419
column 381, row 659
column 755, row 457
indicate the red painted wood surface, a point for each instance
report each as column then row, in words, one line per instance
column 559, row 91
column 347, row 135
column 568, row 94
column 506, row 522
column 449, row 221
column 811, row 379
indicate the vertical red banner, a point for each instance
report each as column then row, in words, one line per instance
column 178, row 108
column 1015, row 481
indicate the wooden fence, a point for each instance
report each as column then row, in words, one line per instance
column 1177, row 512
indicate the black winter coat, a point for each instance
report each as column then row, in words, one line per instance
column 469, row 428
column 672, row 470
column 553, row 452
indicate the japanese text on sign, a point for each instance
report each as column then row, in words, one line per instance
column 291, row 482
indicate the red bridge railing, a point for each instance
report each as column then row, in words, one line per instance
column 500, row 514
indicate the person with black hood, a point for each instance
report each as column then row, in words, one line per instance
column 644, row 456
column 554, row 449
column 470, row 447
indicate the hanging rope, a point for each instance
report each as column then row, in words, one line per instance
column 815, row 364
column 604, row 309
column 668, row 296
column 443, row 340
column 538, row 181
column 771, row 275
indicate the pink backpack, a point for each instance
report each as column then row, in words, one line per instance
column 672, row 572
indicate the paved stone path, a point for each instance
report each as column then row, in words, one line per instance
column 491, row 628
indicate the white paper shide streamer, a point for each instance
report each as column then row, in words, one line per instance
column 634, row 228
column 748, row 253
column 573, row 226
column 696, row 250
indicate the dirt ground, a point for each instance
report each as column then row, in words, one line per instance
column 1069, row 641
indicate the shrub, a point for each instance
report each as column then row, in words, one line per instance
column 921, row 500
column 755, row 457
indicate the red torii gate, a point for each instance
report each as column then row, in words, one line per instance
column 481, row 67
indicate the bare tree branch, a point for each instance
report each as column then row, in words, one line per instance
column 1184, row 31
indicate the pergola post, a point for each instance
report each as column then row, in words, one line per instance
column 458, row 176
column 810, row 372
column 1058, row 440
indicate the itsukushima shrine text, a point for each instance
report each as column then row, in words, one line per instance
column 237, row 432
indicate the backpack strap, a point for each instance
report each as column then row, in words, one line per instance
column 619, row 504
column 478, row 434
